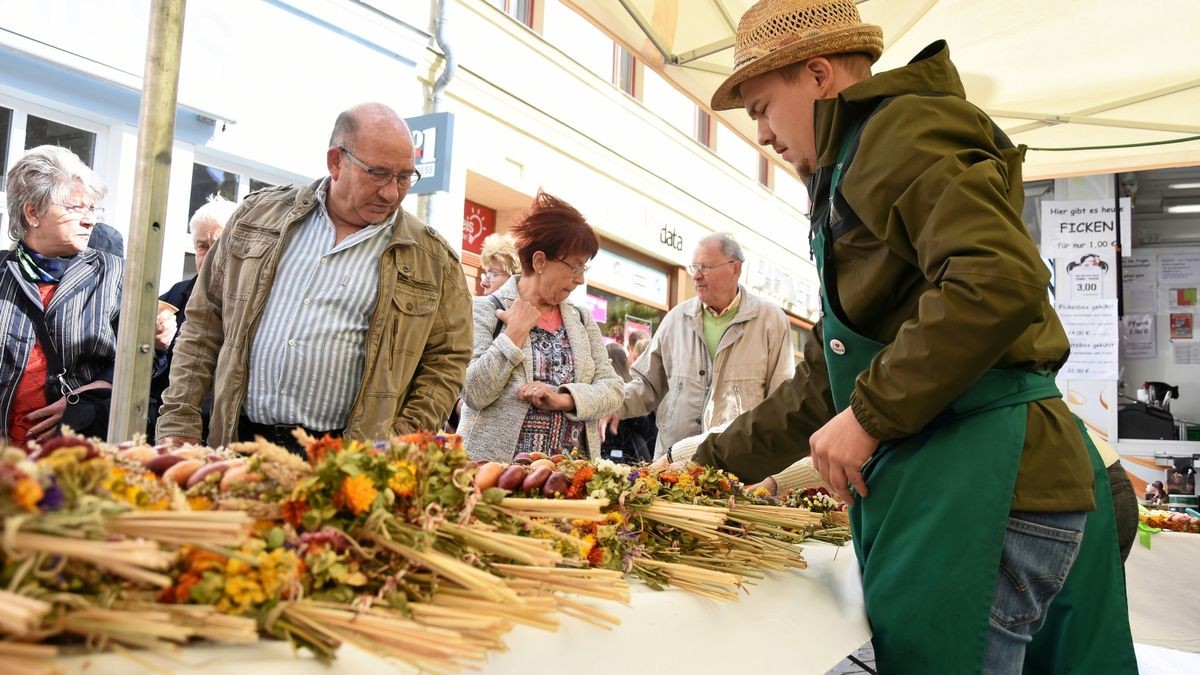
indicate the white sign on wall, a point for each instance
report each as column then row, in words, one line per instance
column 630, row 277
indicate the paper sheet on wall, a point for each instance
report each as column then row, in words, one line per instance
column 1138, row 336
column 1092, row 329
column 1181, row 299
column 1179, row 270
column 1186, row 353
column 1181, row 326
column 1139, row 279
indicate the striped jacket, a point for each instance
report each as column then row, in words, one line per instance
column 82, row 319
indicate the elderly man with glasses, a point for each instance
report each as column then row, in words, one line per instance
column 715, row 356
column 325, row 307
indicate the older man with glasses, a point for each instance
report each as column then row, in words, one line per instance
column 715, row 356
column 325, row 307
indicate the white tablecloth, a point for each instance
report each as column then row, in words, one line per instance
column 1164, row 591
column 803, row 621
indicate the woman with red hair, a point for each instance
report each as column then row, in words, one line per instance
column 540, row 378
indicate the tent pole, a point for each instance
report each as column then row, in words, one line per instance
column 139, row 304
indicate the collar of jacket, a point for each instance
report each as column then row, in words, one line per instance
column 405, row 226
column 746, row 311
column 508, row 293
column 929, row 72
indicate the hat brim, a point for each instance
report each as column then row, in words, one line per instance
column 866, row 38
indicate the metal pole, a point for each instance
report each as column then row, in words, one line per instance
column 156, row 134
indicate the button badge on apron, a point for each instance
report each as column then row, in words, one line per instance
column 837, row 347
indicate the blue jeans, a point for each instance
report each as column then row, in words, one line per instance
column 1039, row 549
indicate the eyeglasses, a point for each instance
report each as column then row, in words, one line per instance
column 82, row 212
column 492, row 274
column 382, row 177
column 575, row 269
column 702, row 269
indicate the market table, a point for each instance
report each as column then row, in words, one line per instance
column 1164, row 596
column 805, row 621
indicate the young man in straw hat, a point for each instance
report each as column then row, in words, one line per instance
column 929, row 398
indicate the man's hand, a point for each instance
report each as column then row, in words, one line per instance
column 608, row 425
column 839, row 451
column 518, row 320
column 767, row 484
column 164, row 330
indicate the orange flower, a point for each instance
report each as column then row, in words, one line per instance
column 319, row 449
column 357, row 493
column 668, row 478
column 293, row 511
column 27, row 493
column 595, row 557
column 419, row 438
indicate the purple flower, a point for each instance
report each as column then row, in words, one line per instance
column 52, row 498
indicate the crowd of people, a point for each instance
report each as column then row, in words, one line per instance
column 926, row 400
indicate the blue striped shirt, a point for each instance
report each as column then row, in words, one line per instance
column 306, row 361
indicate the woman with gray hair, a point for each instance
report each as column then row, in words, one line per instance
column 59, row 301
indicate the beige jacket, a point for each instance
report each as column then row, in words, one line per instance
column 418, row 339
column 492, row 414
column 692, row 392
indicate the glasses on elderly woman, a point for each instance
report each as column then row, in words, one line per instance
column 575, row 269
column 84, row 212
column 492, row 274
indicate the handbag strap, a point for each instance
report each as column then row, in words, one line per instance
column 56, row 382
column 499, row 324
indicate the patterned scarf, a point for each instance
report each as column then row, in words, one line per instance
column 38, row 268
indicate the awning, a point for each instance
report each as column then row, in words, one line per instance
column 1053, row 74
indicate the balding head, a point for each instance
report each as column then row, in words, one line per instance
column 367, row 137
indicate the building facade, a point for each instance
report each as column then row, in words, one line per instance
column 540, row 99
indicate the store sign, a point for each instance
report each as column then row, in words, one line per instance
column 479, row 221
column 630, row 277
column 432, row 136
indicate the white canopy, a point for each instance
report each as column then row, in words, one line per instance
column 1053, row 73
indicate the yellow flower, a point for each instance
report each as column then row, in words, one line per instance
column 404, row 478
column 244, row 591
column 614, row 518
column 685, row 481
column 27, row 494
column 585, row 548
column 200, row 503
column 357, row 493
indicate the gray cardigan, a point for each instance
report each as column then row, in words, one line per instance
column 492, row 414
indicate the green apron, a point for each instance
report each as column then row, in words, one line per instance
column 930, row 534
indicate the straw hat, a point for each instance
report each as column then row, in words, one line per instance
column 776, row 33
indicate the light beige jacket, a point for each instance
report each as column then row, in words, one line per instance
column 692, row 392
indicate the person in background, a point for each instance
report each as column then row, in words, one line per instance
column 715, row 356
column 633, row 441
column 105, row 237
column 1157, row 494
column 325, row 307
column 540, row 379
column 206, row 226
column 59, row 300
column 634, row 337
column 637, row 348
column 499, row 259
column 930, row 385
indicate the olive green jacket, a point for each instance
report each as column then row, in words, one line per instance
column 418, row 337
column 933, row 260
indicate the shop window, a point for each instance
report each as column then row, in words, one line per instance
column 208, row 181
column 41, row 131
column 619, row 317
column 256, row 185
column 521, row 10
column 764, row 171
column 624, row 70
column 5, row 132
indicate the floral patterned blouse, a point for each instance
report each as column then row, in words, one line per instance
column 550, row 431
